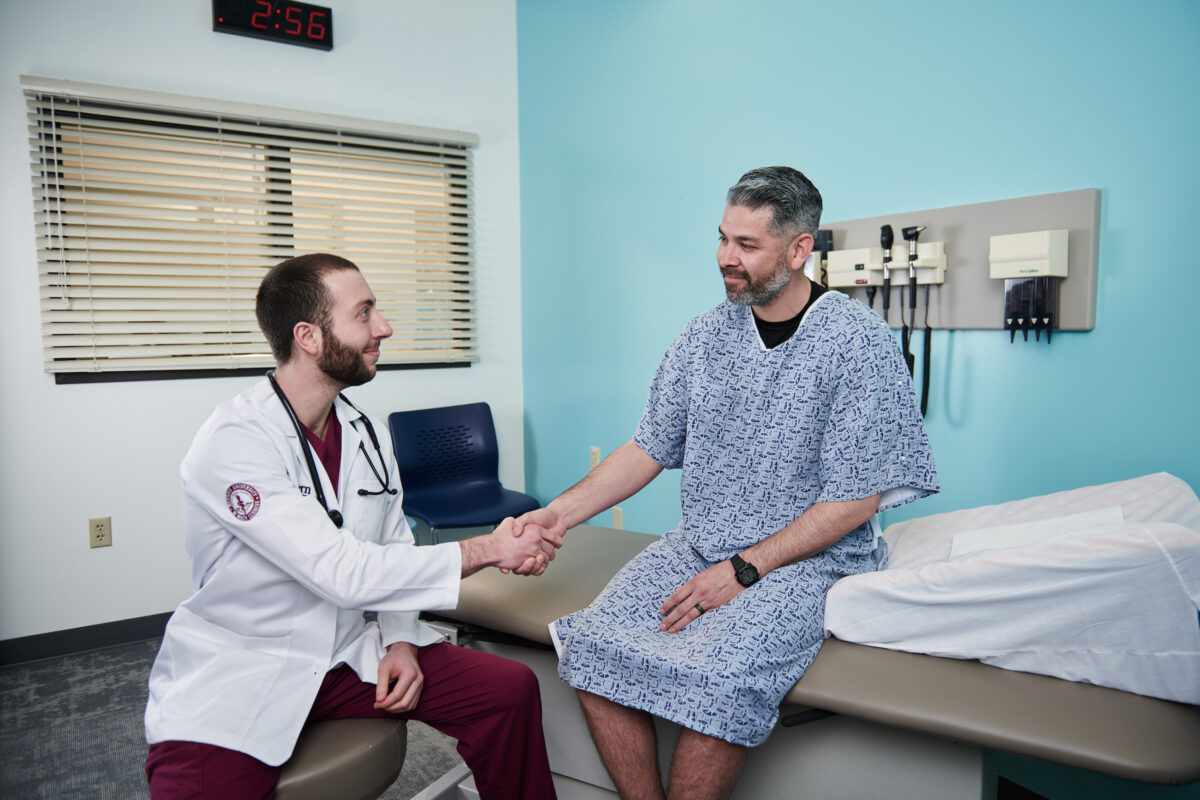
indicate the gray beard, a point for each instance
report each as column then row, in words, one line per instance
column 761, row 293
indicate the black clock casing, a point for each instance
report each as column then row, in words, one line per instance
column 304, row 24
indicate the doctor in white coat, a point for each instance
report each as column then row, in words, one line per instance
column 293, row 521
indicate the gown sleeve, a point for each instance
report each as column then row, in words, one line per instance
column 874, row 441
column 662, row 432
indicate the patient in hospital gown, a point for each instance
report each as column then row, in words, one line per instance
column 761, row 435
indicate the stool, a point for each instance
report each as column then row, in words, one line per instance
column 355, row 759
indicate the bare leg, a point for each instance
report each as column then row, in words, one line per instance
column 704, row 768
column 627, row 745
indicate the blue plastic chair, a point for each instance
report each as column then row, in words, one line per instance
column 448, row 462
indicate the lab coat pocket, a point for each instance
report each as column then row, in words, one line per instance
column 223, row 671
column 222, row 637
column 367, row 511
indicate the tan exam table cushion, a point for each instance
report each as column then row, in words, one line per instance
column 1109, row 731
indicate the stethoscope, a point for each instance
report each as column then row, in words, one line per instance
column 335, row 516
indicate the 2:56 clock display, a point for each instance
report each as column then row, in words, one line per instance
column 277, row 20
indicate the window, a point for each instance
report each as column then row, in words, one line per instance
column 157, row 217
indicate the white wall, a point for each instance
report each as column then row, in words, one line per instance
column 74, row 451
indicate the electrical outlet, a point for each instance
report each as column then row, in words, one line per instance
column 100, row 532
column 594, row 456
column 618, row 518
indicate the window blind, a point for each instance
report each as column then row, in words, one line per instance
column 158, row 216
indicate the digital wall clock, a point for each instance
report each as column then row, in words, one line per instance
column 279, row 21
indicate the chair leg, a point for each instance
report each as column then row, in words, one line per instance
column 428, row 534
column 424, row 534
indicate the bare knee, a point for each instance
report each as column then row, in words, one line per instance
column 591, row 701
column 705, row 766
column 602, row 703
column 627, row 744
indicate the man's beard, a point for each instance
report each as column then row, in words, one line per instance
column 764, row 290
column 342, row 363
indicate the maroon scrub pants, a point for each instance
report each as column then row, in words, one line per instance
column 489, row 704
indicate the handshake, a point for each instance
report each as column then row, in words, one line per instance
column 524, row 545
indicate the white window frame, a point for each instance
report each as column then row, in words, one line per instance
column 157, row 216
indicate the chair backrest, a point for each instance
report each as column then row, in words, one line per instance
column 437, row 447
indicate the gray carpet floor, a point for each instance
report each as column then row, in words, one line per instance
column 71, row 727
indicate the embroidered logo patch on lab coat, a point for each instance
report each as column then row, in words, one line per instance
column 243, row 500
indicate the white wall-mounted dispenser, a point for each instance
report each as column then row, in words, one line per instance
column 1032, row 266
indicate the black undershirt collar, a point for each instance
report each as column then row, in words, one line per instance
column 774, row 334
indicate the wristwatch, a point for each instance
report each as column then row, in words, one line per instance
column 746, row 574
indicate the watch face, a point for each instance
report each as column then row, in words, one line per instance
column 747, row 575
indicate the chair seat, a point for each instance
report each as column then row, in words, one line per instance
column 461, row 509
column 355, row 759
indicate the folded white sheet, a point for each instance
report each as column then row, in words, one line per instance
column 1114, row 605
column 1152, row 498
column 1023, row 534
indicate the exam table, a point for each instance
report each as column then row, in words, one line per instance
column 904, row 725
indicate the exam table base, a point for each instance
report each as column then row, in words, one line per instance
column 837, row 757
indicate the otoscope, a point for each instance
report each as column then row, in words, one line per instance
column 886, row 238
column 822, row 244
column 911, row 235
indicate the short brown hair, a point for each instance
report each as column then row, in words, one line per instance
column 294, row 291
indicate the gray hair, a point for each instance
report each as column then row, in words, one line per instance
column 796, row 203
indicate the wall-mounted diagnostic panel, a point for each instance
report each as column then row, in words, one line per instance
column 958, row 250
column 292, row 23
column 1025, row 266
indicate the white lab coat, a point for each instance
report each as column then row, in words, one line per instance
column 278, row 590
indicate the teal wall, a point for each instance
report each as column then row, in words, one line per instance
column 636, row 115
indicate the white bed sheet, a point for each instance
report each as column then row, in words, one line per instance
column 1115, row 605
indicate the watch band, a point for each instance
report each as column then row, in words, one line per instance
column 745, row 572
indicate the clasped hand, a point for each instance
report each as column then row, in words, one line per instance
column 526, row 549
column 548, row 528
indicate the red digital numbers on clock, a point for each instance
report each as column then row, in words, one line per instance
column 292, row 15
column 294, row 23
column 260, row 18
column 316, row 27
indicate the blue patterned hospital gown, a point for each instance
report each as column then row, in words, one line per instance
column 761, row 435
